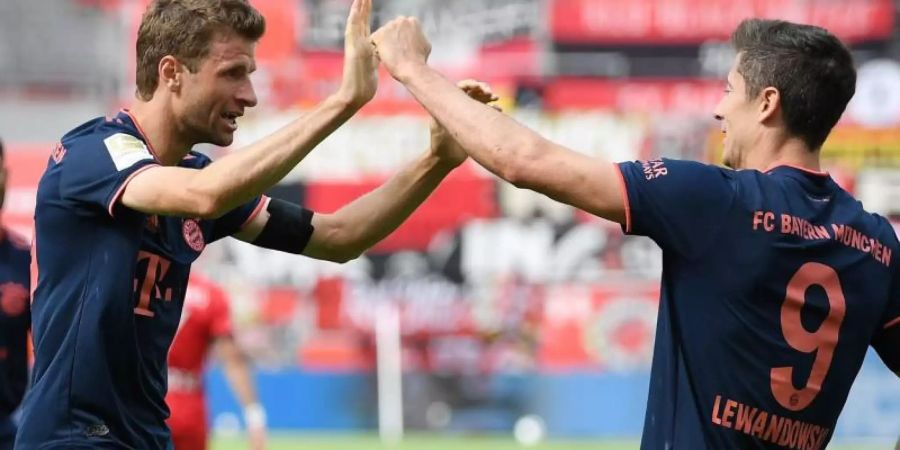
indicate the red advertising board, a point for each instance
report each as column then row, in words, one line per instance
column 695, row 21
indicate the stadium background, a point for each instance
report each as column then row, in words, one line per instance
column 510, row 304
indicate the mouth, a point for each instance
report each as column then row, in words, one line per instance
column 231, row 119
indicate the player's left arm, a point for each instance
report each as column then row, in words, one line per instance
column 359, row 225
column 343, row 235
column 237, row 371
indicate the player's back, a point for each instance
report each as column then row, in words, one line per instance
column 766, row 317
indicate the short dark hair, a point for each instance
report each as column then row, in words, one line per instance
column 812, row 70
column 184, row 29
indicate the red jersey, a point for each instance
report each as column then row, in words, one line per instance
column 204, row 318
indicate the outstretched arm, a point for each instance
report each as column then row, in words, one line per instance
column 499, row 143
column 359, row 225
column 243, row 175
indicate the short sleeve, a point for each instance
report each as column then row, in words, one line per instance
column 234, row 220
column 220, row 314
column 678, row 204
column 94, row 173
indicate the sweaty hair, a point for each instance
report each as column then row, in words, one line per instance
column 812, row 70
column 184, row 29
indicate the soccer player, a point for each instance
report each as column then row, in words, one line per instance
column 15, row 319
column 124, row 207
column 775, row 280
column 206, row 324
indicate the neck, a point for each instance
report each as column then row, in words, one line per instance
column 785, row 152
column 157, row 124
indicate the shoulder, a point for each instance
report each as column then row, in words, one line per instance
column 104, row 135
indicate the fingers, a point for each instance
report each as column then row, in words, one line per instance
column 478, row 90
column 359, row 21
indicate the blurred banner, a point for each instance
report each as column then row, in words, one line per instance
column 668, row 22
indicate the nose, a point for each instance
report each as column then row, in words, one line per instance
column 246, row 96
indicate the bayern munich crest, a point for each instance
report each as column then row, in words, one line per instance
column 193, row 236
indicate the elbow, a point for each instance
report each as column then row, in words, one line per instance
column 345, row 256
column 340, row 244
column 208, row 207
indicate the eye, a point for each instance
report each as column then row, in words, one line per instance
column 236, row 73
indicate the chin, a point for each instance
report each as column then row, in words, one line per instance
column 222, row 140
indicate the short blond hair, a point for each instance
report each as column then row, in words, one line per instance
column 184, row 29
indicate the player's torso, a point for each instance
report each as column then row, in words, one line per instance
column 14, row 320
column 794, row 289
column 86, row 341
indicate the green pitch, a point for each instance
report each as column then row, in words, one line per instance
column 434, row 442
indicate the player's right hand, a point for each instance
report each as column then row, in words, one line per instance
column 401, row 43
column 360, row 77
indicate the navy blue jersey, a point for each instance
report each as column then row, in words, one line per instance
column 109, row 291
column 774, row 285
column 15, row 319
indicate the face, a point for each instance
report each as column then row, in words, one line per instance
column 738, row 116
column 210, row 100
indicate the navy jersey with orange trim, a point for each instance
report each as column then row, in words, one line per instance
column 15, row 320
column 774, row 285
column 110, row 284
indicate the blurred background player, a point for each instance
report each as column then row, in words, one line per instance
column 775, row 280
column 205, row 328
column 15, row 320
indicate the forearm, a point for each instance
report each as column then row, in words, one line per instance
column 237, row 371
column 242, row 175
column 500, row 144
column 372, row 217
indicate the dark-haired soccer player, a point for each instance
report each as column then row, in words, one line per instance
column 775, row 280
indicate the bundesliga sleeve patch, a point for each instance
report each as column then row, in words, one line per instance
column 125, row 150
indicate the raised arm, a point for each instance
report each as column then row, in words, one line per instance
column 500, row 144
column 243, row 175
column 359, row 225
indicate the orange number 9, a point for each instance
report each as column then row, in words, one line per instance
column 821, row 341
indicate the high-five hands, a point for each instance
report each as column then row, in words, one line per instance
column 360, row 77
column 442, row 143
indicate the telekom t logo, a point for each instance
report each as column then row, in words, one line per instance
column 157, row 267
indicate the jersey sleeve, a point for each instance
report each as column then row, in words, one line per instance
column 220, row 313
column 234, row 220
column 678, row 204
column 94, row 173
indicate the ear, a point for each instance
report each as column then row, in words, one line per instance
column 769, row 104
column 170, row 73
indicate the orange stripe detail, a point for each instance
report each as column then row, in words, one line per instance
column 892, row 323
column 263, row 203
column 625, row 201
column 776, row 165
column 119, row 192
